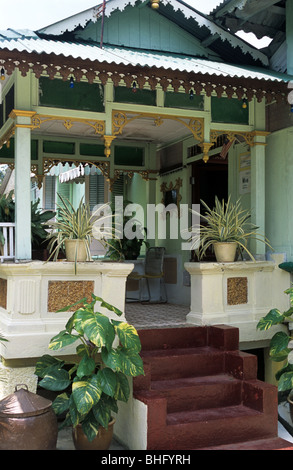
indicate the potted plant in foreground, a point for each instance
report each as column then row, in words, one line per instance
column 107, row 352
column 225, row 228
column 281, row 345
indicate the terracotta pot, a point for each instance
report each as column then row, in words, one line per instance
column 225, row 252
column 75, row 250
column 102, row 441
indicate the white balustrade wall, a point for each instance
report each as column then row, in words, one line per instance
column 8, row 251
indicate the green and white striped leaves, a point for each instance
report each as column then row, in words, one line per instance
column 107, row 352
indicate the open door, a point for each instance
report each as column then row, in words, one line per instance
column 209, row 180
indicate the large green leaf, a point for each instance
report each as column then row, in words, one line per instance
column 56, row 379
column 75, row 417
column 131, row 362
column 286, row 381
column 96, row 326
column 279, row 346
column 111, row 358
column 108, row 381
column 102, row 413
column 86, row 366
column 274, row 317
column 46, row 361
column 90, row 426
column 122, row 390
column 86, row 393
column 62, row 340
column 128, row 335
column 61, row 404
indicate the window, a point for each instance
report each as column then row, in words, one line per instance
column 49, row 194
column 96, row 190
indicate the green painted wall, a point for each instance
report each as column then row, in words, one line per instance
column 149, row 31
column 279, row 191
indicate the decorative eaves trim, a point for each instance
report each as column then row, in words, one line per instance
column 91, row 14
column 53, row 65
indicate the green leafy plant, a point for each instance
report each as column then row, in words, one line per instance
column 281, row 345
column 7, row 207
column 226, row 222
column 107, row 351
column 128, row 247
column 40, row 225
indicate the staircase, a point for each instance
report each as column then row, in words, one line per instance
column 201, row 392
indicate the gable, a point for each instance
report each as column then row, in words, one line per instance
column 148, row 31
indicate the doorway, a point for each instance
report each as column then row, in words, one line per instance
column 209, row 180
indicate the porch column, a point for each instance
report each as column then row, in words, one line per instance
column 289, row 36
column 258, row 189
column 22, row 157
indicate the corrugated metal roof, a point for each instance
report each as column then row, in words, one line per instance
column 134, row 57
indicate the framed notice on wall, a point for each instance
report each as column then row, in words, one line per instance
column 244, row 173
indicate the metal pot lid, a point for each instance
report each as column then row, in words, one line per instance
column 23, row 403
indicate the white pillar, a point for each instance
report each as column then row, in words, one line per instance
column 258, row 189
column 22, row 183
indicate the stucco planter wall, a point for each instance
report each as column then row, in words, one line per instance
column 237, row 294
column 31, row 294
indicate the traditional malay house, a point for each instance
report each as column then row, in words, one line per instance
column 148, row 99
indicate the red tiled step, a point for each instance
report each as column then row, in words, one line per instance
column 274, row 443
column 191, row 393
column 176, row 363
column 191, row 430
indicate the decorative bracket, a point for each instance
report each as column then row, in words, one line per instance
column 206, row 147
column 108, row 139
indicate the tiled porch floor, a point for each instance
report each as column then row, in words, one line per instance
column 152, row 315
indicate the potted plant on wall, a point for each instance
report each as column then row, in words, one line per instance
column 73, row 231
column 39, row 230
column 133, row 237
column 107, row 353
column 225, row 228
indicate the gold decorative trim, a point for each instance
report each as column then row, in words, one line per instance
column 7, row 136
column 21, row 113
column 194, row 125
column 68, row 122
column 108, row 139
column 249, row 137
column 205, row 148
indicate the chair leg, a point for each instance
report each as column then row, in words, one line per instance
column 162, row 282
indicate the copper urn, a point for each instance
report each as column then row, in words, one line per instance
column 27, row 422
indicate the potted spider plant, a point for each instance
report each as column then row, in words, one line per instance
column 73, row 231
column 225, row 228
column 107, row 353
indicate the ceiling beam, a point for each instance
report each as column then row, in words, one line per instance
column 228, row 7
column 254, row 8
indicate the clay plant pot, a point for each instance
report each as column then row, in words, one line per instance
column 225, row 252
column 102, row 441
column 75, row 250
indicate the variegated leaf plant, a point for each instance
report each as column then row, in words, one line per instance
column 108, row 351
